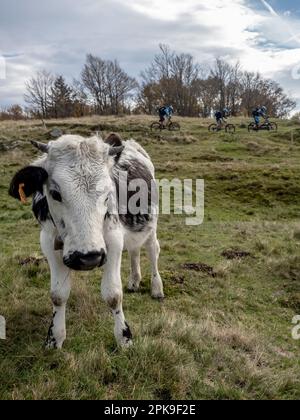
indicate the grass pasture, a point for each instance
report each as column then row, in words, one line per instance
column 224, row 330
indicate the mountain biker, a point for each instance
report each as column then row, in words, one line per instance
column 221, row 117
column 165, row 112
column 259, row 112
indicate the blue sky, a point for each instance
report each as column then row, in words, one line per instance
column 263, row 35
column 283, row 6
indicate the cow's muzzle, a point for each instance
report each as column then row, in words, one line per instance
column 85, row 262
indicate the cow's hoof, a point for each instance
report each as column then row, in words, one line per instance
column 51, row 344
column 134, row 284
column 158, row 296
column 126, row 344
column 132, row 289
column 124, row 337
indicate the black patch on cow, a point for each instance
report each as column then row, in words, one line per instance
column 33, row 178
column 127, row 333
column 51, row 341
column 116, row 152
column 135, row 170
column 40, row 208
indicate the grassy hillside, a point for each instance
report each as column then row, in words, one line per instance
column 223, row 331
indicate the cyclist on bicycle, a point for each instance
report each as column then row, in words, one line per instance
column 258, row 113
column 221, row 117
column 165, row 113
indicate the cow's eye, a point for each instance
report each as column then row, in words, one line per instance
column 56, row 196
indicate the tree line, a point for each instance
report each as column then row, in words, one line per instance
column 194, row 89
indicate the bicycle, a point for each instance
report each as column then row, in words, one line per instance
column 214, row 128
column 266, row 125
column 171, row 126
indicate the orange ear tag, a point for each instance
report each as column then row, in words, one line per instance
column 22, row 194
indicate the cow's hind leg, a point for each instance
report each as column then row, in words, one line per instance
column 60, row 292
column 112, row 289
column 153, row 249
column 135, row 271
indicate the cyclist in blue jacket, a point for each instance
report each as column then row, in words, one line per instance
column 258, row 113
column 165, row 113
column 221, row 117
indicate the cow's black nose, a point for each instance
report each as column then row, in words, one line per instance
column 84, row 262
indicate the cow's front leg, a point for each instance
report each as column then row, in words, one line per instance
column 112, row 289
column 60, row 291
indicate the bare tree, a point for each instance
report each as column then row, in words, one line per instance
column 206, row 92
column 120, row 86
column 233, row 99
column 221, row 73
column 108, row 84
column 39, row 94
column 257, row 91
column 14, row 112
column 170, row 78
column 93, row 80
column 82, row 104
column 250, row 91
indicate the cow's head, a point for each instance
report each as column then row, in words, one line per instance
column 75, row 177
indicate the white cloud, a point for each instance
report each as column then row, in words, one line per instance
column 162, row 10
column 229, row 20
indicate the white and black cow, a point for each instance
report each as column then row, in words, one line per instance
column 75, row 188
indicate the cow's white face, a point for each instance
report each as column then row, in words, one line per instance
column 79, row 192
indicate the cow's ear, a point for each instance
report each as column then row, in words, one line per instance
column 116, row 146
column 27, row 181
column 114, row 140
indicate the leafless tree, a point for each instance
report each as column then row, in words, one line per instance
column 257, row 91
column 82, row 104
column 14, row 112
column 206, row 92
column 234, row 89
column 39, row 94
column 170, row 78
column 108, row 84
column 221, row 72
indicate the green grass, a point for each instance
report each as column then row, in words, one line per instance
column 226, row 336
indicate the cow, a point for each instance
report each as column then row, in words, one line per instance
column 76, row 191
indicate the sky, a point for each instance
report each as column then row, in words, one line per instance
column 56, row 35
